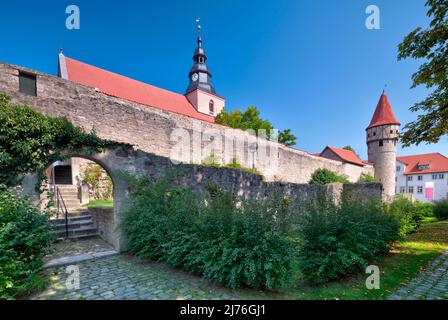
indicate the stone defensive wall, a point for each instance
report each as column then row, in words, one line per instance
column 159, row 132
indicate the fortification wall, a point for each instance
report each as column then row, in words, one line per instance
column 151, row 130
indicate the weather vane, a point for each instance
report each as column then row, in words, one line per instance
column 384, row 88
column 198, row 20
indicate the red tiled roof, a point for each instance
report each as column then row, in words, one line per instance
column 346, row 155
column 383, row 113
column 436, row 161
column 122, row 87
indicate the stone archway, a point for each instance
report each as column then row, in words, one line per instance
column 116, row 162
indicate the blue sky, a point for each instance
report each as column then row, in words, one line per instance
column 309, row 65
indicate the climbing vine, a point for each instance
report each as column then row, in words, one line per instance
column 30, row 141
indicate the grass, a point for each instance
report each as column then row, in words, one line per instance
column 407, row 259
column 101, row 203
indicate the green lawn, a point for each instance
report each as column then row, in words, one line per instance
column 407, row 259
column 101, row 203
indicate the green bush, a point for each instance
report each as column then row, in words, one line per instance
column 325, row 176
column 211, row 234
column 408, row 214
column 441, row 209
column 24, row 237
column 366, row 178
column 339, row 240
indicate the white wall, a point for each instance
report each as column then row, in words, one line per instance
column 440, row 185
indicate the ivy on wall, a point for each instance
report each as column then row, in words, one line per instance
column 30, row 141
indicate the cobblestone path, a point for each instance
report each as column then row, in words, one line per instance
column 430, row 285
column 123, row 277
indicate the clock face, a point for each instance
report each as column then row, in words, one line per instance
column 195, row 77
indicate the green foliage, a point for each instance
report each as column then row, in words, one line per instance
column 250, row 120
column 287, row 138
column 408, row 214
column 431, row 46
column 441, row 209
column 24, row 239
column 339, row 240
column 325, row 176
column 213, row 161
column 211, row 234
column 98, row 181
column 366, row 178
column 30, row 141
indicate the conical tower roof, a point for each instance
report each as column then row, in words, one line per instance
column 383, row 113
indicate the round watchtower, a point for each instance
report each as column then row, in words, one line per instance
column 382, row 135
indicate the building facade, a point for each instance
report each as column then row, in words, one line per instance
column 422, row 177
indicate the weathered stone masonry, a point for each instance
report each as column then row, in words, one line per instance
column 149, row 129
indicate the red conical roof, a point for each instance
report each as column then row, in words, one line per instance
column 383, row 114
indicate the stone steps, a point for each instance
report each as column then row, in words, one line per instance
column 79, row 227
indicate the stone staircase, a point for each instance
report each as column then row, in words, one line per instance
column 70, row 195
column 80, row 226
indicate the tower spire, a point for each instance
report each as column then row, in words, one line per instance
column 200, row 76
column 198, row 20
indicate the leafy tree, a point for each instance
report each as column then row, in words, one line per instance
column 325, row 176
column 287, row 138
column 30, row 141
column 250, row 119
column 430, row 44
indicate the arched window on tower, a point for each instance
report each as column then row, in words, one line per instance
column 211, row 107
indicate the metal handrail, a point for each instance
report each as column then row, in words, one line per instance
column 63, row 207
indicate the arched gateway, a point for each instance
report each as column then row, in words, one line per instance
column 117, row 162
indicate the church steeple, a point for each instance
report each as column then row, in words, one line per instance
column 200, row 76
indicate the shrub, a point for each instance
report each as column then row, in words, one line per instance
column 325, row 176
column 24, row 237
column 441, row 209
column 408, row 214
column 339, row 240
column 212, row 234
column 366, row 178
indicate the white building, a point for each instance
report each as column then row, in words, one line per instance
column 423, row 176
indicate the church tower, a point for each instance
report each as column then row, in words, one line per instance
column 200, row 91
column 382, row 136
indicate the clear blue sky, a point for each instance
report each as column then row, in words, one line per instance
column 311, row 66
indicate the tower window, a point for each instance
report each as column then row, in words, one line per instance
column 391, row 131
column 211, row 107
column 27, row 84
column 374, row 134
column 381, row 143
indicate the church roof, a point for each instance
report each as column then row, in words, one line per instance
column 346, row 155
column 119, row 86
column 424, row 163
column 383, row 113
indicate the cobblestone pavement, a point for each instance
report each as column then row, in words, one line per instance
column 124, row 277
column 430, row 285
column 73, row 247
